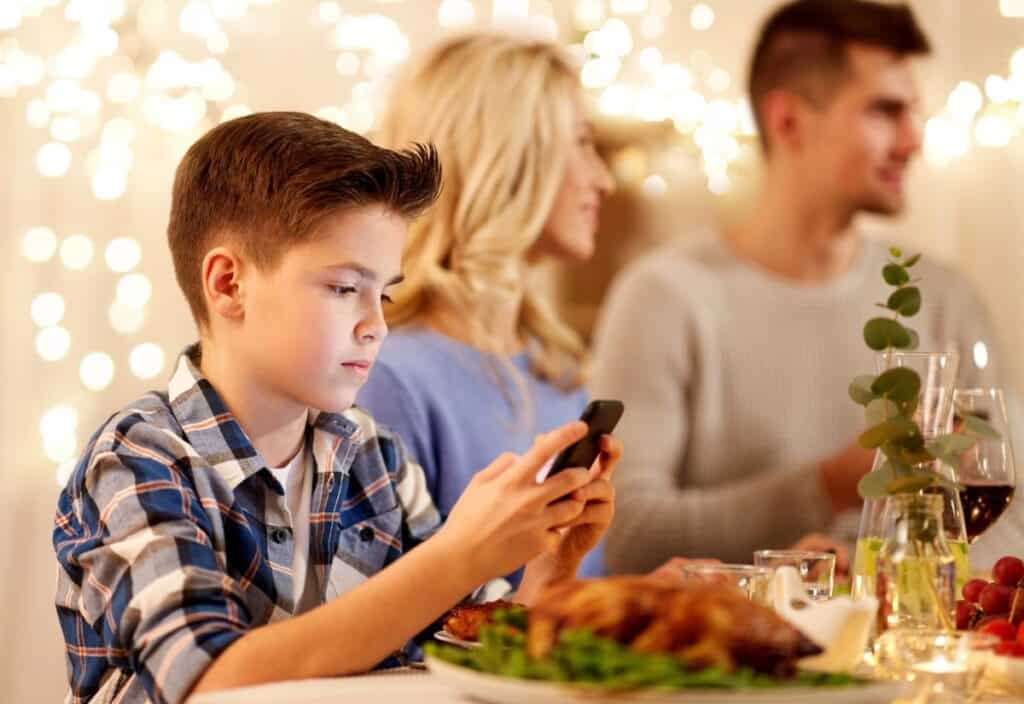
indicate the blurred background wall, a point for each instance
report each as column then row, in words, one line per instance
column 99, row 98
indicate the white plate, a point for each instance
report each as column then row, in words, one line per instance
column 508, row 690
column 446, row 637
column 1006, row 674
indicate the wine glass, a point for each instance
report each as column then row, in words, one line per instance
column 987, row 471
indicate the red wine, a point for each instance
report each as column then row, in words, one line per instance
column 983, row 505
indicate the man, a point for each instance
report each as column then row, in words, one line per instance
column 733, row 353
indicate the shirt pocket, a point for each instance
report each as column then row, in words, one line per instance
column 364, row 549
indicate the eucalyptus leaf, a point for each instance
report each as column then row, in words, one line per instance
column 895, row 275
column 898, row 384
column 976, row 426
column 954, row 443
column 905, row 301
column 915, row 340
column 874, row 484
column 912, row 261
column 860, row 389
column 881, row 333
column 915, row 482
column 880, row 410
column 893, row 429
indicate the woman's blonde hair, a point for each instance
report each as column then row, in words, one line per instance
column 500, row 111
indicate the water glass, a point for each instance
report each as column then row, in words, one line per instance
column 755, row 582
column 817, row 569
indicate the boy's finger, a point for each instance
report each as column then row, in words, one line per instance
column 499, row 465
column 596, row 490
column 561, row 513
column 596, row 514
column 563, row 484
column 611, row 451
column 545, row 447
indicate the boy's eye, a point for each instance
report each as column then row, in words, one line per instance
column 341, row 290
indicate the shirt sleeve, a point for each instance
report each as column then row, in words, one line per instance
column 154, row 597
column 644, row 355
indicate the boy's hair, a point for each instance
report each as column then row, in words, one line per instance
column 266, row 181
column 802, row 46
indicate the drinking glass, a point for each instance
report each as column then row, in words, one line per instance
column 755, row 582
column 987, row 470
column 817, row 569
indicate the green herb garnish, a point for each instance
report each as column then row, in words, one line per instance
column 580, row 657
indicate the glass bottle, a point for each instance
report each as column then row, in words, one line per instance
column 934, row 416
column 916, row 570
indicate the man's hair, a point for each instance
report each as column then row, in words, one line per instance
column 802, row 46
column 265, row 182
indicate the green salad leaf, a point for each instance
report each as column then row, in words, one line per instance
column 580, row 657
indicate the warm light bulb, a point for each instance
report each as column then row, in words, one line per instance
column 146, row 360
column 96, row 371
column 52, row 344
column 47, row 309
column 76, row 252
column 123, row 254
column 53, row 159
column 39, row 244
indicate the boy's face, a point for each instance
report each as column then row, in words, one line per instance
column 313, row 324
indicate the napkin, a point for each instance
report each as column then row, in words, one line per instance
column 841, row 625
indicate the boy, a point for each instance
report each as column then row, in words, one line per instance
column 246, row 526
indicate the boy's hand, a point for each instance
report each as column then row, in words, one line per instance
column 505, row 518
column 580, row 535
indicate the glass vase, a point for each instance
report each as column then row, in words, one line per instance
column 934, row 416
column 916, row 570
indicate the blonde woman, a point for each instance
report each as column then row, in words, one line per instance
column 477, row 360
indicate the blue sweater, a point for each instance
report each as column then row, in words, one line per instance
column 443, row 399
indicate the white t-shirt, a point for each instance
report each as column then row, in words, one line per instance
column 297, row 479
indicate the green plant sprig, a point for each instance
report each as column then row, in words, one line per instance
column 890, row 399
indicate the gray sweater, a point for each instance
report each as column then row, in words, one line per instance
column 735, row 386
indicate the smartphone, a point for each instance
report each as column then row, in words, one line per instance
column 601, row 418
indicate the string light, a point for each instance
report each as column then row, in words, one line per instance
column 76, row 252
column 96, row 371
column 39, row 244
column 47, row 309
column 146, row 360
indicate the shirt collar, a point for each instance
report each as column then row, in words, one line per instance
column 216, row 435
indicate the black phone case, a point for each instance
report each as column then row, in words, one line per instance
column 601, row 418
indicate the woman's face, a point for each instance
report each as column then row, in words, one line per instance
column 574, row 217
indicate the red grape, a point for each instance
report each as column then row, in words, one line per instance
column 995, row 599
column 972, row 590
column 1008, row 571
column 965, row 611
column 1000, row 627
column 1007, row 647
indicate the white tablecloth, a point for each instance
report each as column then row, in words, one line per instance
column 405, row 687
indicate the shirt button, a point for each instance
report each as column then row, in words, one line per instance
column 366, row 534
column 279, row 535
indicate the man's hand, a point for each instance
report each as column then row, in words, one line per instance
column 841, row 473
column 816, row 542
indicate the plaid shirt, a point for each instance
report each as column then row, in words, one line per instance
column 173, row 538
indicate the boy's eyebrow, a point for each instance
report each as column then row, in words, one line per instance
column 366, row 273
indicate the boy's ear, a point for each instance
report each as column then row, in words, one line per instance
column 222, row 284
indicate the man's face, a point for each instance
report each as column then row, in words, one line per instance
column 859, row 145
column 314, row 324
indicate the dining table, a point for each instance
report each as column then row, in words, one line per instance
column 400, row 686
